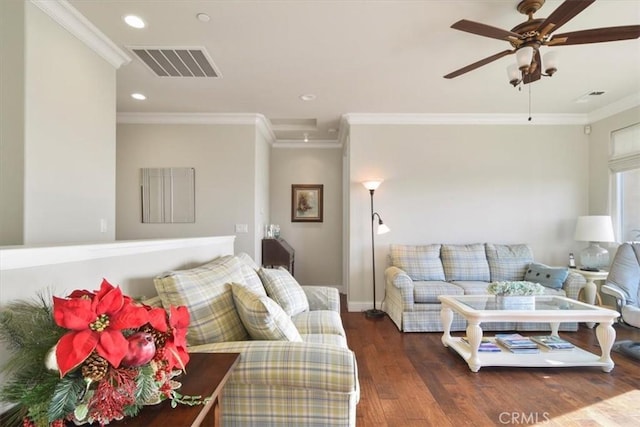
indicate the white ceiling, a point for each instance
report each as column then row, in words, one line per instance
column 359, row 56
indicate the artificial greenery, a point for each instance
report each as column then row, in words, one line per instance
column 29, row 332
column 520, row 288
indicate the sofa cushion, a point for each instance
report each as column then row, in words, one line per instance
column 508, row 263
column 324, row 339
column 206, row 293
column 284, row 289
column 419, row 262
column 427, row 292
column 472, row 287
column 551, row 277
column 262, row 317
column 465, row 262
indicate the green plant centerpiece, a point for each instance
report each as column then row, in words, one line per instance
column 516, row 288
column 92, row 357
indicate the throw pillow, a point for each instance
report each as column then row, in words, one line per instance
column 262, row 317
column 206, row 294
column 551, row 277
column 285, row 290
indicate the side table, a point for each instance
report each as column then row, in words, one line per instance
column 591, row 293
column 206, row 375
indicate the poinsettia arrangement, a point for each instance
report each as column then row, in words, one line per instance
column 94, row 356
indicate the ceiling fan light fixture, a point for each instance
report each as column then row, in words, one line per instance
column 550, row 62
column 523, row 58
column 514, row 74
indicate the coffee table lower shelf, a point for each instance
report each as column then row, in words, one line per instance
column 544, row 359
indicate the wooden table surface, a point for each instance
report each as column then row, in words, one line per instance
column 206, row 376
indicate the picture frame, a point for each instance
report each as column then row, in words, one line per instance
column 307, row 202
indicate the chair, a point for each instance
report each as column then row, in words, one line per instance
column 623, row 282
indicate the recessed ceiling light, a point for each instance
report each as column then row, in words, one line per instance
column 308, row 97
column 134, row 21
column 203, row 17
column 138, row 96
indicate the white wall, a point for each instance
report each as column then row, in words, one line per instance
column 318, row 245
column 69, row 122
column 262, row 192
column 464, row 184
column 11, row 122
column 224, row 158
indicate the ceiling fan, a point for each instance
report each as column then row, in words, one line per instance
column 527, row 38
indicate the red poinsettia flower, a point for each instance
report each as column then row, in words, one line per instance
column 96, row 322
column 176, row 345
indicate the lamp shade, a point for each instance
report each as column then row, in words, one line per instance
column 524, row 56
column 382, row 228
column 372, row 184
column 594, row 228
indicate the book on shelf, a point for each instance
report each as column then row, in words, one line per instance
column 486, row 345
column 552, row 342
column 515, row 341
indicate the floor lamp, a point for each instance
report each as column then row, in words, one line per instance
column 382, row 228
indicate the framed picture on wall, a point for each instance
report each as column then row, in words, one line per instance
column 306, row 202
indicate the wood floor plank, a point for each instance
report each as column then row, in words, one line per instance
column 411, row 379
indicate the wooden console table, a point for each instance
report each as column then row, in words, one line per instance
column 206, row 375
column 278, row 253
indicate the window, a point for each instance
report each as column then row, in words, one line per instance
column 624, row 162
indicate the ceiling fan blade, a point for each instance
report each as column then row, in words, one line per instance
column 535, row 74
column 478, row 64
column 563, row 14
column 599, row 35
column 484, row 30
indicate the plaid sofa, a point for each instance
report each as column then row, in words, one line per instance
column 310, row 379
column 419, row 274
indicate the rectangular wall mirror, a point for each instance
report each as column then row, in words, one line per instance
column 168, row 195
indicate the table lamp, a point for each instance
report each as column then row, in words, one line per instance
column 594, row 229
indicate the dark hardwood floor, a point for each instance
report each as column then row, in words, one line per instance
column 411, row 379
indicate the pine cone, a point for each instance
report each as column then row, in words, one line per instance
column 159, row 338
column 95, row 367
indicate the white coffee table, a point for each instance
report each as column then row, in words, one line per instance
column 478, row 309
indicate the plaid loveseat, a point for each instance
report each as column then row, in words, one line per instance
column 307, row 377
column 419, row 274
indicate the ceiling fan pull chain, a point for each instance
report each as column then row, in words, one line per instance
column 529, row 119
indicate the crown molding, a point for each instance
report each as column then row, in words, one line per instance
column 258, row 120
column 295, row 143
column 464, row 119
column 191, row 118
column 624, row 104
column 73, row 21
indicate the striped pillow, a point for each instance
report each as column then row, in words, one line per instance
column 262, row 317
column 285, row 290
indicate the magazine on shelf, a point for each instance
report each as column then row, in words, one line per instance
column 552, row 342
column 515, row 341
column 486, row 345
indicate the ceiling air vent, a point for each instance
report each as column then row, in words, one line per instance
column 586, row 97
column 177, row 62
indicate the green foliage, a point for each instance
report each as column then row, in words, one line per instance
column 65, row 396
column 29, row 332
